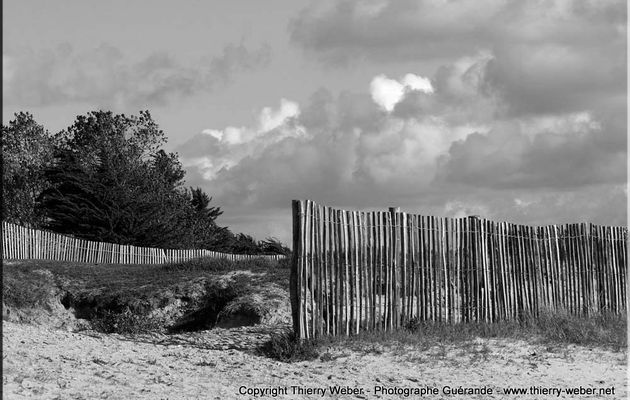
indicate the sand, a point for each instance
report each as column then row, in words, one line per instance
column 44, row 363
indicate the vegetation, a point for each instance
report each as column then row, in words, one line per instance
column 551, row 330
column 107, row 178
column 121, row 298
column 27, row 150
column 287, row 347
column 125, row 295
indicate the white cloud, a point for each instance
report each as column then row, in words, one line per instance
column 214, row 133
column 270, row 119
column 231, row 145
column 413, row 82
column 444, row 146
column 389, row 92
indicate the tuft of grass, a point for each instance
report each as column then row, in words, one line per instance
column 608, row 330
column 285, row 346
column 24, row 289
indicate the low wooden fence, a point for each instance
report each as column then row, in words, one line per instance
column 356, row 270
column 23, row 243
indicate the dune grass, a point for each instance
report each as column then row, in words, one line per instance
column 28, row 284
column 548, row 329
column 119, row 298
column 25, row 283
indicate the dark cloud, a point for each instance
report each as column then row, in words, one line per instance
column 553, row 78
column 544, row 57
column 561, row 152
column 524, row 122
column 104, row 76
column 384, row 31
column 409, row 29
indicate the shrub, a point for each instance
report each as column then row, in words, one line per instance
column 126, row 322
column 287, row 347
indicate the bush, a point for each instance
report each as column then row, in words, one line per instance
column 287, row 347
column 126, row 322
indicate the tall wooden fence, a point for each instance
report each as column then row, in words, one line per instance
column 23, row 243
column 356, row 270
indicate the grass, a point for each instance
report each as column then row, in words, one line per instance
column 285, row 346
column 24, row 287
column 27, row 285
column 550, row 330
column 118, row 298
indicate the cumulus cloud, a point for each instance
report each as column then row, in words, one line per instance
column 389, row 92
column 216, row 151
column 564, row 151
column 333, row 147
column 546, row 56
column 445, row 145
column 106, row 77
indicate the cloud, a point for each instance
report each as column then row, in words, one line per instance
column 389, row 92
column 332, row 145
column 563, row 151
column 409, row 29
column 104, row 76
column 216, row 151
column 442, row 145
column 340, row 31
column 543, row 57
column 235, row 58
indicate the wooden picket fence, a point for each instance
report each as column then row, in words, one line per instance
column 23, row 243
column 355, row 270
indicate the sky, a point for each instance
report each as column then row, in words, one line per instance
column 514, row 111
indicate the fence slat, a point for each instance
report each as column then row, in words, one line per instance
column 378, row 270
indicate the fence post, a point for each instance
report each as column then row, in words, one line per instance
column 395, row 284
column 295, row 283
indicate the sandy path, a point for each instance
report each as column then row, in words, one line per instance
column 52, row 364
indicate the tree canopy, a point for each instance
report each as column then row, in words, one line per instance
column 107, row 178
column 27, row 150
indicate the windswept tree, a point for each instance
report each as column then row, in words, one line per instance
column 106, row 178
column 272, row 245
column 200, row 202
column 27, row 149
column 112, row 182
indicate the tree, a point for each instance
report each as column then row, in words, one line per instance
column 106, row 178
column 245, row 244
column 201, row 203
column 111, row 182
column 272, row 245
column 27, row 150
